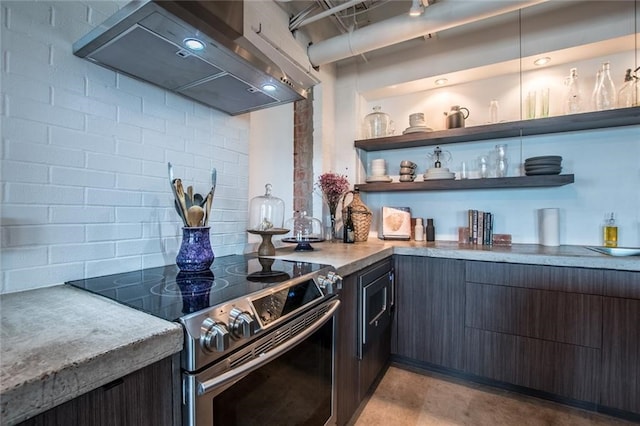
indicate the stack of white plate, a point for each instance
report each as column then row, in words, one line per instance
column 417, row 129
column 545, row 165
column 439, row 173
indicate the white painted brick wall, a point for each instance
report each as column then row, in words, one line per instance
column 85, row 190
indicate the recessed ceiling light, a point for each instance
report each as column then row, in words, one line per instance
column 416, row 8
column 541, row 61
column 441, row 81
column 268, row 87
column 193, row 44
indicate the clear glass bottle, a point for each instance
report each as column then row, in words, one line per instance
column 594, row 94
column 493, row 111
column 502, row 162
column 627, row 96
column 606, row 93
column 574, row 97
column 610, row 236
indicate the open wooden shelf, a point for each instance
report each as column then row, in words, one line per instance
column 488, row 183
column 566, row 123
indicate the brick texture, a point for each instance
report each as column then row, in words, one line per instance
column 303, row 154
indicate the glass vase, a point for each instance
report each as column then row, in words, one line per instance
column 195, row 252
column 333, row 231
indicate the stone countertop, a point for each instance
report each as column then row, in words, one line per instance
column 60, row 342
column 349, row 258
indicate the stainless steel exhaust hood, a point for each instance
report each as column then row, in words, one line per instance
column 149, row 40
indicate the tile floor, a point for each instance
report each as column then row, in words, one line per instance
column 406, row 398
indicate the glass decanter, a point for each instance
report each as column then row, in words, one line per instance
column 502, row 162
column 606, row 92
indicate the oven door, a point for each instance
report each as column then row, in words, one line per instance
column 283, row 378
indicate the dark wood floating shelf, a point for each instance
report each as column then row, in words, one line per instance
column 489, row 183
column 566, row 123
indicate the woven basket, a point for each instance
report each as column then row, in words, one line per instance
column 360, row 214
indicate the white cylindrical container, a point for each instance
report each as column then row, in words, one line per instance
column 549, row 227
column 418, row 232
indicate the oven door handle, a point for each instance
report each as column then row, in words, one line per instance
column 254, row 364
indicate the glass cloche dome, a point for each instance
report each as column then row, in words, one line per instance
column 266, row 212
column 303, row 231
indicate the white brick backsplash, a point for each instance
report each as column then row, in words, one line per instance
column 82, row 177
column 37, row 111
column 75, row 101
column 106, row 197
column 114, row 231
column 96, row 268
column 113, row 163
column 26, row 193
column 44, row 276
column 138, row 247
column 24, row 130
column 43, row 154
column 138, row 214
column 84, row 173
column 14, row 171
column 125, row 133
column 24, row 257
column 67, row 253
column 19, row 86
column 137, row 118
column 139, row 151
column 81, row 140
column 17, row 214
column 15, row 236
column 82, row 214
column 141, row 183
column 155, row 138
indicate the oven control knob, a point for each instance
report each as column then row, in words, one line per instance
column 241, row 323
column 215, row 336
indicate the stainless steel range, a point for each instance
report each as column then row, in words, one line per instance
column 259, row 336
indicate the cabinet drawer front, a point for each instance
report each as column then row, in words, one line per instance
column 577, row 280
column 550, row 315
column 622, row 284
column 565, row 370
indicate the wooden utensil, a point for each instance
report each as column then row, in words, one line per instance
column 195, row 215
column 189, row 200
column 180, row 198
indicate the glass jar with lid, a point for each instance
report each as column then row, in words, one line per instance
column 377, row 124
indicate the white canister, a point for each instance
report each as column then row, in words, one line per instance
column 549, row 227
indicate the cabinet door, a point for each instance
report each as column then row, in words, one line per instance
column 430, row 310
column 621, row 354
column 347, row 363
column 142, row 398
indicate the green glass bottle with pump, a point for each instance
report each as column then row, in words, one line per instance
column 610, row 232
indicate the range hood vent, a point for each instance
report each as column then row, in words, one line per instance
column 146, row 40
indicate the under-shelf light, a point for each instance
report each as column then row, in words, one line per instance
column 542, row 61
column 441, row 81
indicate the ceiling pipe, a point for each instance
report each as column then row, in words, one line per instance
column 439, row 16
column 326, row 13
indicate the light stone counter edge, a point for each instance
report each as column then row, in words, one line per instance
column 61, row 342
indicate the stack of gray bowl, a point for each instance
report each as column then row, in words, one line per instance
column 407, row 171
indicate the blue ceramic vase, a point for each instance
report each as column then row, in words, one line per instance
column 195, row 252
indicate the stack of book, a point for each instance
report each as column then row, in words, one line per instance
column 480, row 227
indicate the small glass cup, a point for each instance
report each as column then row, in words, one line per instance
column 483, row 166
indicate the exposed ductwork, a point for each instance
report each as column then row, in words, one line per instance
column 439, row 16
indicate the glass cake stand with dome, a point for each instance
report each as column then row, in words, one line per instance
column 266, row 216
column 304, row 230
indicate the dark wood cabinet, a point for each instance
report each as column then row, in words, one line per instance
column 357, row 367
column 347, row 362
column 529, row 325
column 143, row 398
column 621, row 342
column 429, row 324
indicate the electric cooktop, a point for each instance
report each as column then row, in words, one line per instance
column 168, row 293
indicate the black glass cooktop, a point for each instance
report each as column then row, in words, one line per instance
column 170, row 294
